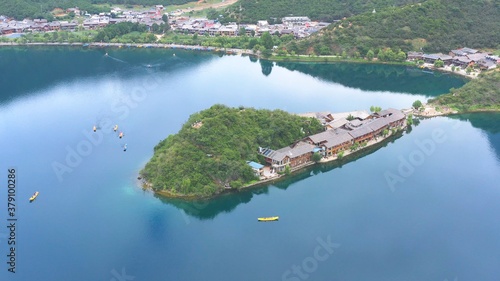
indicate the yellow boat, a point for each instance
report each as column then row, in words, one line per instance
column 94, row 128
column 115, row 128
column 32, row 198
column 268, row 219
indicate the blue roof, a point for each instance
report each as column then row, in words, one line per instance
column 255, row 165
column 316, row 149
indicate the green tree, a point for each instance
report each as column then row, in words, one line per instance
column 370, row 55
column 242, row 31
column 355, row 146
column 316, row 157
column 340, row 155
column 417, row 104
column 409, row 119
column 401, row 56
column 438, row 63
column 266, row 40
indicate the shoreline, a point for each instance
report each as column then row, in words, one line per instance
column 235, row 51
column 447, row 69
column 132, row 45
column 431, row 111
column 144, row 184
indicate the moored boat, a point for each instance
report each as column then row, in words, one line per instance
column 268, row 219
column 32, row 198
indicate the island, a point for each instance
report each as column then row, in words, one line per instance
column 223, row 149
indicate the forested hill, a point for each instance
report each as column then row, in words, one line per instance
column 477, row 95
column 211, row 149
column 21, row 9
column 321, row 10
column 434, row 26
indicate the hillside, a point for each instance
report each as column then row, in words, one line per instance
column 21, row 9
column 211, row 149
column 434, row 25
column 477, row 95
column 322, row 10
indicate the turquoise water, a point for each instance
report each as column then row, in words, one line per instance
column 422, row 207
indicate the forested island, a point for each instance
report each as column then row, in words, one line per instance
column 210, row 152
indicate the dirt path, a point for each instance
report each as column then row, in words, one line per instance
column 202, row 6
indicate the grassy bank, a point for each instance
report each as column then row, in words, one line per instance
column 479, row 95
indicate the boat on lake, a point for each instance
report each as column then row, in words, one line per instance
column 32, row 198
column 268, row 219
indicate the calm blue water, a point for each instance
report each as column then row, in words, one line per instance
column 436, row 217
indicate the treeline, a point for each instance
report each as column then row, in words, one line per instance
column 263, row 44
column 211, row 149
column 482, row 93
column 20, row 9
column 432, row 26
column 322, row 10
column 113, row 31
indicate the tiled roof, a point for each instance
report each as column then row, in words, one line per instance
column 337, row 138
column 361, row 131
column 300, row 149
column 378, row 124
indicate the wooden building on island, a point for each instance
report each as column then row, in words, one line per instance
column 332, row 141
column 293, row 156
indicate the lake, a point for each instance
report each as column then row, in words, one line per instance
column 423, row 206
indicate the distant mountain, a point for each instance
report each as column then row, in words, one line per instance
column 432, row 26
column 21, row 9
column 323, row 10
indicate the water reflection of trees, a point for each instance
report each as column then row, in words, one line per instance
column 376, row 77
column 267, row 66
column 488, row 122
column 209, row 209
column 41, row 67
